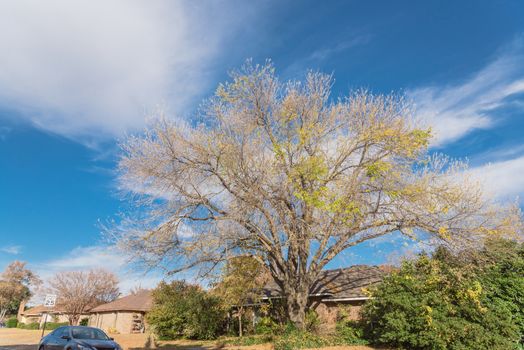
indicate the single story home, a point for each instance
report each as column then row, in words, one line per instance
column 124, row 315
column 39, row 313
column 338, row 290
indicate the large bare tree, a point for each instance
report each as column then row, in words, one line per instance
column 16, row 283
column 294, row 177
column 78, row 291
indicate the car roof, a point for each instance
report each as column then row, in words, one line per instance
column 85, row 327
column 82, row 327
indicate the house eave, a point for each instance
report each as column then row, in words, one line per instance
column 346, row 299
column 310, row 295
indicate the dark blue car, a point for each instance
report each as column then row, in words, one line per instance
column 77, row 338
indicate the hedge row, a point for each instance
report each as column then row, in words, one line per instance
column 35, row 325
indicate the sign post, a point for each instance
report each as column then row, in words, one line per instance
column 49, row 302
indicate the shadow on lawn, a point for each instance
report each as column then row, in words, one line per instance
column 150, row 344
column 195, row 346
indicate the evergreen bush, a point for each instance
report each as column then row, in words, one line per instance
column 434, row 303
column 33, row 325
column 11, row 322
column 183, row 310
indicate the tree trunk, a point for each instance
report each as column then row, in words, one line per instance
column 21, row 309
column 296, row 307
column 240, row 333
column 2, row 314
column 73, row 319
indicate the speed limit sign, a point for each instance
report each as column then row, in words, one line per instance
column 50, row 300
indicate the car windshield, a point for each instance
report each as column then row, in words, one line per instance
column 88, row 333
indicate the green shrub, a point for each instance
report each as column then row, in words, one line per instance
column 350, row 333
column 312, row 320
column 297, row 339
column 33, row 325
column 251, row 340
column 84, row 321
column 184, row 310
column 48, row 326
column 499, row 267
column 54, row 325
column 11, row 322
column 266, row 325
column 432, row 304
column 503, row 277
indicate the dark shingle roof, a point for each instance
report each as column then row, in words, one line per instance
column 345, row 283
column 141, row 301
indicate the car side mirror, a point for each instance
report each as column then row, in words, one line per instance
column 66, row 337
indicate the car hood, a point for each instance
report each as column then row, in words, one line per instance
column 98, row 344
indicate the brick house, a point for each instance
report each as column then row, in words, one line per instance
column 336, row 290
column 124, row 315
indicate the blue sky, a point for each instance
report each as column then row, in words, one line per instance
column 74, row 78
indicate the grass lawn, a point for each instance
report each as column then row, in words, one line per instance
column 22, row 339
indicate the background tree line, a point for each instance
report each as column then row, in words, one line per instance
column 76, row 291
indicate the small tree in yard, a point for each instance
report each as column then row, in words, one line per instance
column 241, row 283
column 15, row 286
column 294, row 178
column 78, row 291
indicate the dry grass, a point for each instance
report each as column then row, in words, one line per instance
column 15, row 336
column 21, row 339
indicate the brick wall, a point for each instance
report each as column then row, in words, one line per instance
column 121, row 321
column 330, row 312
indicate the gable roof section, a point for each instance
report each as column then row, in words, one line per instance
column 141, row 301
column 40, row 309
column 339, row 284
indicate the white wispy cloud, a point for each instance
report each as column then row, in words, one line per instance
column 87, row 258
column 503, row 179
column 11, row 249
column 341, row 46
column 94, row 257
column 319, row 55
column 453, row 111
column 500, row 153
column 89, row 69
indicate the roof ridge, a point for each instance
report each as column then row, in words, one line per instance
column 141, row 301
